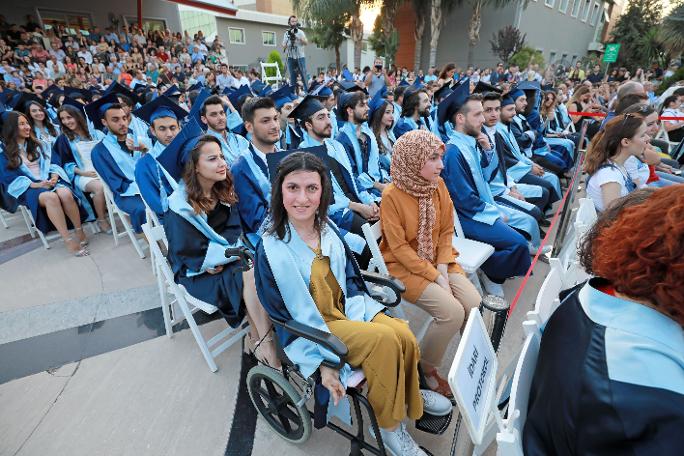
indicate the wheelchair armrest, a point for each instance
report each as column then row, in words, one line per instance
column 246, row 257
column 390, row 282
column 245, row 240
column 317, row 336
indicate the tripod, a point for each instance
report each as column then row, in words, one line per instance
column 292, row 54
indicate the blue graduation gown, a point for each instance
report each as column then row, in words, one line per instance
column 365, row 163
column 480, row 219
column 154, row 183
column 120, row 182
column 252, row 193
column 232, row 147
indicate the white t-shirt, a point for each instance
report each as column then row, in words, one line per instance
column 602, row 177
column 638, row 171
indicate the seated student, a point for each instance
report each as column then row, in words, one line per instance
column 623, row 136
column 305, row 272
column 72, row 151
column 360, row 143
column 154, row 182
column 417, row 220
column 202, row 222
column 398, row 100
column 610, row 373
column 478, row 213
column 284, row 101
column 114, row 157
column 415, row 108
column 381, row 120
column 30, row 178
column 127, row 99
column 213, row 114
column 326, row 96
column 40, row 121
column 250, row 170
column 555, row 120
column 530, row 199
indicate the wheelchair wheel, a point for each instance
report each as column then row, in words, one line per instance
column 276, row 401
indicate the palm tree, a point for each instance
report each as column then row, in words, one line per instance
column 672, row 31
column 438, row 10
column 421, row 8
column 475, row 22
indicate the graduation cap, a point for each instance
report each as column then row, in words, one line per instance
column 117, row 88
column 442, row 92
column 418, row 84
column 235, row 96
column 196, row 86
column 507, row 100
column 196, row 110
column 528, row 85
column 403, row 83
column 377, row 101
column 321, row 91
column 347, row 75
column 309, row 106
column 76, row 104
column 22, row 100
column 275, row 158
column 483, row 87
column 97, row 109
column 257, row 87
column 451, row 104
column 54, row 88
column 547, row 87
column 172, row 91
column 177, row 153
column 283, row 95
column 162, row 106
column 75, row 92
column 348, row 86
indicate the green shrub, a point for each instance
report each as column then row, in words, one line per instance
column 525, row 57
column 677, row 76
column 274, row 57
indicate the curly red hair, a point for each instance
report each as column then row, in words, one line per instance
column 642, row 252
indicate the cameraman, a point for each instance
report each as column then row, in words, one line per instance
column 377, row 79
column 293, row 46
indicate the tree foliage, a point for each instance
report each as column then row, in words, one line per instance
column 274, row 57
column 384, row 42
column 331, row 35
column 672, row 31
column 635, row 31
column 527, row 56
column 506, row 42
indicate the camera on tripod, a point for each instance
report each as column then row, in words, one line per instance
column 292, row 31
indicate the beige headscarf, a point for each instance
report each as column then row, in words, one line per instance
column 411, row 152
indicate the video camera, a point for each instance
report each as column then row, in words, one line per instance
column 292, row 31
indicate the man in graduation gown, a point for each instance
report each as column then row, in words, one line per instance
column 127, row 98
column 327, row 98
column 213, row 114
column 283, row 100
column 360, row 143
column 250, row 171
column 154, row 182
column 414, row 111
column 478, row 213
column 114, row 157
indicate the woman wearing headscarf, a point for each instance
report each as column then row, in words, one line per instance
column 417, row 219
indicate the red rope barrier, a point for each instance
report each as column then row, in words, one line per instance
column 602, row 114
column 543, row 243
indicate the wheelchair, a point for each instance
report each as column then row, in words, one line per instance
column 281, row 397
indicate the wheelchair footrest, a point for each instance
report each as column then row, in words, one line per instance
column 433, row 424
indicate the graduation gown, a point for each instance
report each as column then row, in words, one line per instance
column 406, row 124
column 116, row 167
column 479, row 216
column 154, row 182
column 198, row 242
column 532, row 144
column 233, row 146
column 365, row 163
column 292, row 137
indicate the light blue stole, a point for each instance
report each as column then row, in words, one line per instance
column 124, row 161
column 262, row 181
column 397, row 112
column 140, row 129
column 215, row 256
column 232, row 147
column 22, row 183
column 374, row 172
column 161, row 171
column 467, row 145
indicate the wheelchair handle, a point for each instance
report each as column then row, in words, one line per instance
column 245, row 256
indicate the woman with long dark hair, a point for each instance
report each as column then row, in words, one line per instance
column 306, row 272
column 43, row 129
column 201, row 223
column 72, row 151
column 42, row 187
column 381, row 120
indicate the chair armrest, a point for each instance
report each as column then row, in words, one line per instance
column 390, row 282
column 317, row 336
column 246, row 257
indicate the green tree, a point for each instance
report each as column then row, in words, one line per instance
column 331, row 35
column 384, row 42
column 506, row 42
column 672, row 31
column 634, row 29
column 438, row 10
column 475, row 22
column 527, row 56
column 274, row 57
column 421, row 9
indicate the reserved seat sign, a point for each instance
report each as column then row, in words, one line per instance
column 472, row 376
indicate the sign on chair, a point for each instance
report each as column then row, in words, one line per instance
column 472, row 376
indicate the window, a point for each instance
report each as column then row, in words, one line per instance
column 576, row 7
column 194, row 21
column 242, row 68
column 76, row 21
column 550, row 3
column 268, row 38
column 147, row 23
column 574, row 59
column 236, row 35
column 552, row 57
column 564, row 6
column 364, row 46
column 585, row 10
column 594, row 14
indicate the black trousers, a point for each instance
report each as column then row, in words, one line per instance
column 531, row 179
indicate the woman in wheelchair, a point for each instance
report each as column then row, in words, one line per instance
column 417, row 219
column 201, row 223
column 306, row 273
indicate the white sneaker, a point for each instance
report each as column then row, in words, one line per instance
column 533, row 250
column 435, row 404
column 400, row 443
column 490, row 287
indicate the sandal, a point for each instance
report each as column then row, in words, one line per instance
column 82, row 252
column 108, row 230
column 442, row 387
column 82, row 237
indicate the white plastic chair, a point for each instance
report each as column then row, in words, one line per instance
column 509, row 441
column 188, row 304
column 3, row 220
column 584, row 218
column 471, row 253
column 270, row 79
column 663, row 135
column 548, row 299
column 113, row 209
column 153, row 220
column 32, row 228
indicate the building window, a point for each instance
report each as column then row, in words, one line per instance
column 236, row 35
column 576, row 7
column 564, row 6
column 550, row 3
column 364, row 46
column 586, row 10
column 552, row 57
column 148, row 24
column 194, row 21
column 594, row 14
column 242, row 68
column 268, row 38
column 71, row 20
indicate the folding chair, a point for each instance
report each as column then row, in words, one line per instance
column 271, row 79
column 32, row 228
column 471, row 253
column 188, row 304
column 548, row 300
column 3, row 220
column 509, row 440
column 113, row 209
column 663, row 135
column 584, row 218
column 153, row 220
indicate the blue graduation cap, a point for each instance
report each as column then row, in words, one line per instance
column 117, row 88
column 507, row 100
column 68, row 101
column 196, row 110
column 196, row 86
column 418, row 84
column 321, row 91
column 22, row 100
column 451, row 104
column 377, row 101
column 483, row 87
column 75, row 93
column 97, row 109
column 275, row 158
column 528, row 85
column 54, row 88
column 172, row 91
column 441, row 93
column 257, row 87
column 404, row 82
column 283, row 95
column 348, row 86
column 347, row 75
column 235, row 96
column 54, row 97
column 162, row 106
column 306, row 108
column 177, row 153
column 7, row 94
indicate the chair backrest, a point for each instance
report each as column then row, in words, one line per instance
column 585, row 217
column 268, row 79
column 373, row 233
column 155, row 235
column 458, row 229
column 521, row 384
column 548, row 297
column 150, row 215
